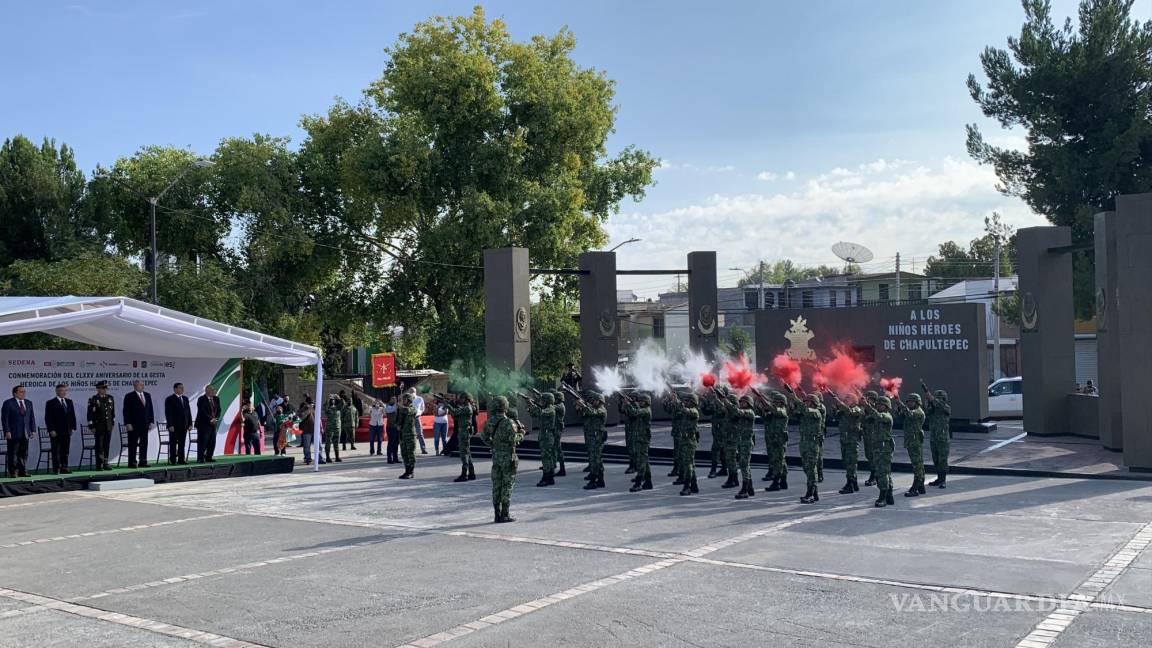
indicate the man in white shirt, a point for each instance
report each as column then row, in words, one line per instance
column 418, row 404
column 440, row 426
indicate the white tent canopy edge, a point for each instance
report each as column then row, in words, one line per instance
column 125, row 324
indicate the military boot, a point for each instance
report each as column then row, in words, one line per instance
column 914, row 490
column 543, row 480
column 679, row 481
column 695, row 486
column 888, row 497
column 733, row 482
column 463, row 474
column 636, row 487
column 809, row 495
column 600, row 480
column 336, row 451
column 591, row 485
column 675, row 472
column 712, row 471
column 751, row 489
column 588, row 468
column 881, row 501
column 723, row 472
column 820, row 474
column 774, row 486
column 507, row 516
column 647, row 485
column 855, row 485
column 920, row 487
column 406, row 475
column 935, row 482
column 562, row 472
column 471, row 472
column 784, row 482
column 871, row 481
column 687, row 490
column 943, row 479
column 631, row 469
column 847, row 490
column 768, row 476
column 743, row 494
column 499, row 518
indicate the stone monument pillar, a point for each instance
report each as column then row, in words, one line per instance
column 703, row 318
column 1107, row 334
column 1133, row 281
column 507, row 313
column 599, row 327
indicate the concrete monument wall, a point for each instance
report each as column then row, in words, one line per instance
column 1133, row 281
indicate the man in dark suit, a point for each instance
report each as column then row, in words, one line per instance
column 60, row 420
column 178, row 415
column 207, row 418
column 19, row 422
column 139, row 417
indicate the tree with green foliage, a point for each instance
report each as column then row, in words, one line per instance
column 555, row 337
column 780, row 271
column 955, row 262
column 737, row 342
column 471, row 140
column 41, row 202
column 1083, row 96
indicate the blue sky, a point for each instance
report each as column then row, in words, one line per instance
column 784, row 126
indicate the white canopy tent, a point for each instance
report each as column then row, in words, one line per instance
column 125, row 324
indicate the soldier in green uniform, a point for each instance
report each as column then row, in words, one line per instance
column 711, row 407
column 544, row 412
column 101, row 421
column 939, row 414
column 408, row 423
column 876, row 413
column 629, row 432
column 463, row 414
column 502, row 434
column 333, row 413
column 639, row 409
column 913, row 440
column 349, row 420
column 591, row 408
column 823, row 435
column 868, row 434
column 741, row 429
column 672, row 406
column 730, row 443
column 851, row 418
column 560, row 411
column 689, row 412
column 774, row 412
column 811, row 424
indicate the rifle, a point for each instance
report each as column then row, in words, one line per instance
column 535, row 391
column 528, row 398
column 571, row 392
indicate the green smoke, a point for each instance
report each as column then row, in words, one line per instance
column 487, row 381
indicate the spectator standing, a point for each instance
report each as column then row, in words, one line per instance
column 307, row 426
column 251, row 430
column 60, row 420
column 393, row 431
column 139, row 417
column 376, row 428
column 440, row 426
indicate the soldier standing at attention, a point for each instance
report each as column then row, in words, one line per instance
column 711, row 407
column 591, row 408
column 408, row 422
column 546, row 414
column 939, row 415
column 349, row 421
column 629, row 432
column 463, row 413
column 670, row 402
column 560, row 411
column 881, row 421
column 741, row 428
column 101, row 421
column 868, row 433
column 502, row 435
column 823, row 434
column 640, row 411
column 851, row 417
column 913, row 440
column 774, row 412
column 811, row 422
column 689, row 413
column 332, row 415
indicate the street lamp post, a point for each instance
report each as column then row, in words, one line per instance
column 153, row 201
column 622, row 244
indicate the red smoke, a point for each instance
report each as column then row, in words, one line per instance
column 891, row 386
column 786, row 370
column 738, row 374
column 708, row 380
column 842, row 373
column 819, row 381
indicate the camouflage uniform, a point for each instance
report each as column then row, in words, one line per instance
column 671, row 406
column 851, row 418
column 348, row 422
column 502, row 435
column 561, row 411
column 594, row 416
column 689, row 439
column 462, row 420
column 939, row 414
column 332, row 425
column 913, row 441
column 811, row 424
column 868, row 434
column 546, row 414
column 823, row 435
column 629, row 434
column 881, row 422
column 640, row 411
column 408, row 423
column 775, row 416
column 101, row 422
column 710, row 406
column 742, row 424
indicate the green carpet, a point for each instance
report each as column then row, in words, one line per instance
column 161, row 465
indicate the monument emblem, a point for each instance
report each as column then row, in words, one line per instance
column 607, row 323
column 706, row 320
column 1101, row 309
column 1029, row 315
column 798, row 337
column 521, row 323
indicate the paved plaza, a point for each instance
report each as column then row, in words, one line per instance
column 354, row 557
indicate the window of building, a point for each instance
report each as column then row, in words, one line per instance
column 883, row 292
column 769, row 300
column 806, row 299
column 832, row 298
column 751, row 299
column 658, row 327
column 914, row 292
column 859, row 294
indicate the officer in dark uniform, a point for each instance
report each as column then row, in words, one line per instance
column 101, row 421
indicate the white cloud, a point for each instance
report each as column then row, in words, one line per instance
column 696, row 168
column 791, row 175
column 766, row 176
column 889, row 206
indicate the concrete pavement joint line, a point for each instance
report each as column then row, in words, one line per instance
column 126, row 529
column 220, row 572
column 207, row 638
column 24, row 504
column 1051, row 627
column 592, row 586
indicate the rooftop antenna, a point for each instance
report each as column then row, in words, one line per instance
column 851, row 253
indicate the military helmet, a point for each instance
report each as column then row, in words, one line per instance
column 466, row 397
column 746, row 400
column 558, row 395
column 593, row 396
column 644, row 399
column 546, row 398
column 913, row 397
column 691, row 398
column 940, row 395
column 884, row 400
column 775, row 395
column 498, row 404
column 870, row 395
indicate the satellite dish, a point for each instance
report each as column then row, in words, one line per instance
column 852, row 252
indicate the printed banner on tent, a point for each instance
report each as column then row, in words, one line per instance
column 383, row 369
column 41, row 371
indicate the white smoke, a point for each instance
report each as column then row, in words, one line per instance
column 608, row 380
column 692, row 368
column 650, row 368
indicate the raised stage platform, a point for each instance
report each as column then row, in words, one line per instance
column 224, row 467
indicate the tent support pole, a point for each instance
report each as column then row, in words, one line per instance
column 316, row 409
